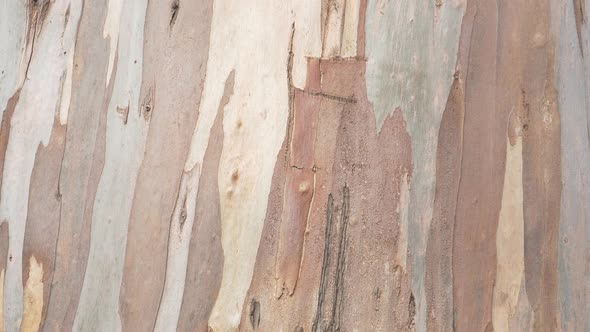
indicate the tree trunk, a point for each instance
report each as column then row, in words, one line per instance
column 295, row 165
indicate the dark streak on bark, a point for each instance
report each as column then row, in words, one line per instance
column 66, row 18
column 38, row 10
column 341, row 99
column 325, row 262
column 31, row 52
column 337, row 304
column 182, row 216
column 579, row 7
column 332, row 321
column 175, row 7
column 412, row 313
column 291, row 93
column 254, row 313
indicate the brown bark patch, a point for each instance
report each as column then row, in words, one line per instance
column 44, row 211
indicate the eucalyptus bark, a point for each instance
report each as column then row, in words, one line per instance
column 298, row 165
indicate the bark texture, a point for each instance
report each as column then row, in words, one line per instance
column 298, row 165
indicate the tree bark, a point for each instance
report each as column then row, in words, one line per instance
column 300, row 165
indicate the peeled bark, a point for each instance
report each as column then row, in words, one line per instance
column 300, row 165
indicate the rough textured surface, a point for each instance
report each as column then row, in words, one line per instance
column 301, row 165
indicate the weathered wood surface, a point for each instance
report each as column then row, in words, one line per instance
column 304, row 165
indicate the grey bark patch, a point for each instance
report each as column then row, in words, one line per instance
column 3, row 245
